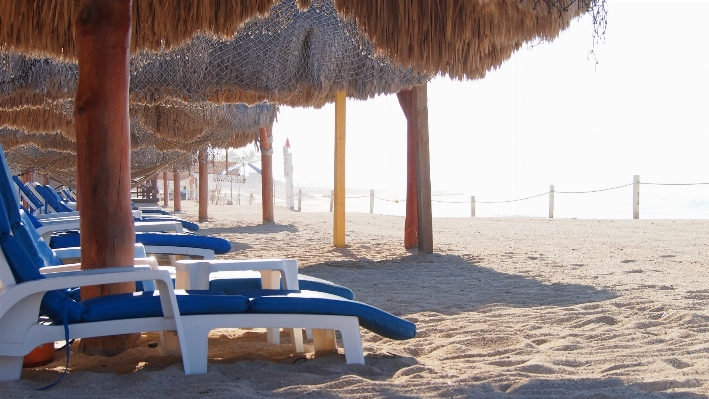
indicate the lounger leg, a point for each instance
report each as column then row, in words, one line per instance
column 10, row 367
column 273, row 336
column 197, row 343
column 352, row 342
column 297, row 339
column 170, row 343
column 271, row 281
column 324, row 340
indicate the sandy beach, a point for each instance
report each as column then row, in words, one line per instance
column 505, row 307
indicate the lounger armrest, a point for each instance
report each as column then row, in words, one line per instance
column 75, row 252
column 58, row 214
column 161, row 226
column 194, row 274
column 19, row 304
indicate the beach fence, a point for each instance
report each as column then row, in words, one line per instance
column 392, row 203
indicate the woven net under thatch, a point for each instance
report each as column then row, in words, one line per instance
column 145, row 162
column 463, row 38
column 166, row 126
column 13, row 137
column 46, row 27
column 290, row 57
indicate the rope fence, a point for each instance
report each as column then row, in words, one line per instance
column 473, row 202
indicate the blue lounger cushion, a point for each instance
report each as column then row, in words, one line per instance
column 311, row 302
column 218, row 245
column 48, row 195
column 147, row 304
column 35, row 202
column 160, row 218
column 238, row 284
column 154, row 211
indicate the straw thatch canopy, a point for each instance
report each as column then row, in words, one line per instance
column 46, row 27
column 463, row 38
column 160, row 134
column 61, row 165
column 233, row 125
column 291, row 57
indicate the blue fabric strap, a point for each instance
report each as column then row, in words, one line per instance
column 65, row 318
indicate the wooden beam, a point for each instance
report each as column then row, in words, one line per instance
column 102, row 34
column 339, row 206
column 266, row 174
column 411, row 223
column 203, row 186
column 423, row 170
column 176, row 199
column 166, row 199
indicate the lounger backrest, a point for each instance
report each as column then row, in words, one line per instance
column 28, row 195
column 51, row 191
column 48, row 256
column 11, row 209
column 54, row 304
column 49, row 197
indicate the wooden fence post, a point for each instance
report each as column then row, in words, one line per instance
column 371, row 201
column 636, row 197
column 472, row 206
column 551, row 201
column 300, row 197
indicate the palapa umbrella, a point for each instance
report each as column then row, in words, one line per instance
column 98, row 34
column 464, row 38
column 459, row 38
column 170, row 126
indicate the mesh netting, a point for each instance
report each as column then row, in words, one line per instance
column 291, row 57
column 145, row 162
column 170, row 125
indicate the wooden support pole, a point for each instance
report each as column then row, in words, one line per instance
column 411, row 223
column 203, row 186
column 267, row 191
column 371, row 202
column 636, row 197
column 300, row 197
column 423, row 170
column 551, row 201
column 176, row 200
column 102, row 35
column 472, row 206
column 45, row 179
column 338, row 237
column 166, row 199
column 154, row 184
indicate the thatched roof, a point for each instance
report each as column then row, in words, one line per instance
column 46, row 27
column 145, row 162
column 463, row 38
column 290, row 57
column 160, row 134
column 169, row 126
column 171, row 120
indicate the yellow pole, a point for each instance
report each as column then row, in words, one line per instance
column 339, row 207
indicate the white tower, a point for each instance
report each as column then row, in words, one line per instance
column 288, row 173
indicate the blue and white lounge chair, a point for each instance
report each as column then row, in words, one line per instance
column 25, row 294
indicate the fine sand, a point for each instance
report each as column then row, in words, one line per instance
column 505, row 307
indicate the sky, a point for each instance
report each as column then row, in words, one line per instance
column 552, row 114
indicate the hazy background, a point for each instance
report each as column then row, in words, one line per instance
column 549, row 115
